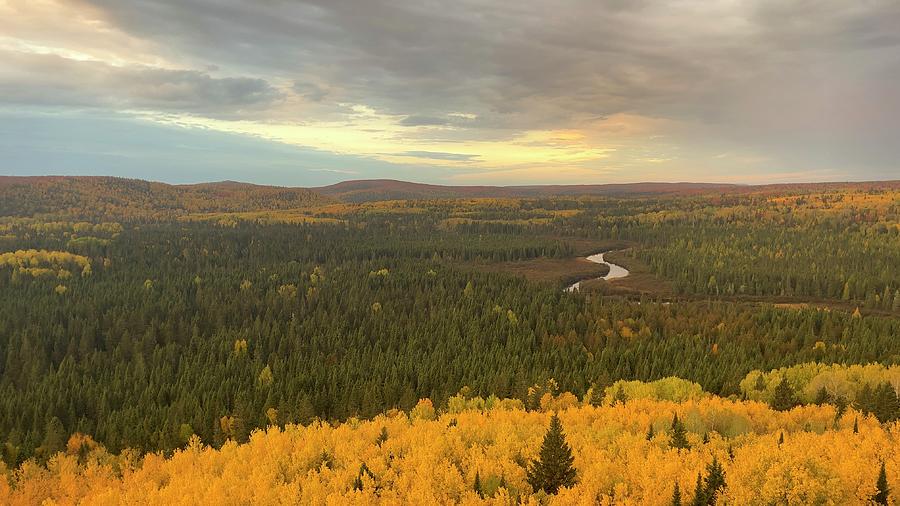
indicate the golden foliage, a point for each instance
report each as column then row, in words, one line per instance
column 430, row 459
column 39, row 263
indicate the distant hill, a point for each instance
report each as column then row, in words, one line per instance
column 116, row 198
column 388, row 189
column 112, row 198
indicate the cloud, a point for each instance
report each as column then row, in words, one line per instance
column 416, row 120
column 787, row 82
column 435, row 155
column 25, row 78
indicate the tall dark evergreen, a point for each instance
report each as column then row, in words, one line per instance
column 676, row 496
column 553, row 469
column 881, row 485
column 784, row 398
column 619, row 397
column 886, row 403
column 714, row 481
column 699, row 498
column 678, row 434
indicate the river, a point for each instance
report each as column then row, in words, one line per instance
column 615, row 272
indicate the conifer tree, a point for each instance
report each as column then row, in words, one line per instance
column 650, row 433
column 865, row 399
column 553, row 469
column 886, row 403
column 676, row 496
column 699, row 495
column 714, row 481
column 54, row 438
column 363, row 471
column 382, row 437
column 679, row 434
column 596, row 398
column 822, row 397
column 619, row 397
column 883, row 492
column 784, row 398
column 856, row 425
column 477, row 485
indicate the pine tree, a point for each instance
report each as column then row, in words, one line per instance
column 597, row 393
column 881, row 496
column 363, row 471
column 679, row 434
column 650, row 433
column 856, row 425
column 676, row 496
column 382, row 437
column 781, row 439
column 477, row 485
column 714, row 481
column 865, row 399
column 553, row 469
column 54, row 438
column 783, row 398
column 619, row 397
column 840, row 405
column 886, row 403
column 699, row 496
column 822, row 397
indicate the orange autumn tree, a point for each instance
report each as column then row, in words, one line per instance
column 435, row 459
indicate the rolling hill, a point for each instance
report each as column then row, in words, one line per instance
column 105, row 197
column 388, row 189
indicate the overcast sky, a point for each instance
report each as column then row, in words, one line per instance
column 462, row 92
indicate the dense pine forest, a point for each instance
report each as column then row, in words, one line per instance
column 130, row 328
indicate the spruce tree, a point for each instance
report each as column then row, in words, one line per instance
column 363, row 471
column 822, row 397
column 553, row 469
column 714, row 481
column 886, row 404
column 597, row 393
column 650, row 433
column 783, row 398
column 676, row 496
column 382, row 437
column 699, row 496
column 679, row 434
column 619, row 397
column 881, row 496
column 477, row 485
column 54, row 438
column 856, row 425
column 865, row 399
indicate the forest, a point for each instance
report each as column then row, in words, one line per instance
column 316, row 344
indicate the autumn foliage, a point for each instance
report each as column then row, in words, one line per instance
column 803, row 456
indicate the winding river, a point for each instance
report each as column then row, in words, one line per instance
column 615, row 272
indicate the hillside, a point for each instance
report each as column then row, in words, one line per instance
column 388, row 189
column 123, row 199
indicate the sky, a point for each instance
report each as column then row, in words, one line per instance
column 307, row 93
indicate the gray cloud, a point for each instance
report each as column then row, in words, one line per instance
column 418, row 120
column 29, row 78
column 809, row 82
